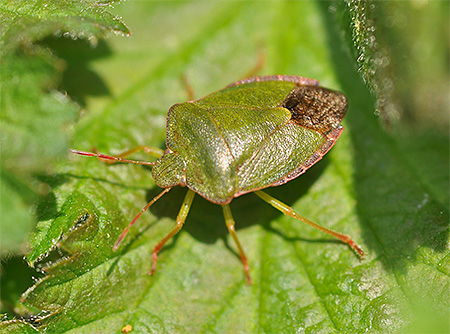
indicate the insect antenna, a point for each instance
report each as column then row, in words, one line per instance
column 125, row 231
column 112, row 158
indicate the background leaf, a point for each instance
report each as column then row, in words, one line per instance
column 387, row 189
column 36, row 116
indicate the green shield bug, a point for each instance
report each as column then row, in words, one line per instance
column 253, row 134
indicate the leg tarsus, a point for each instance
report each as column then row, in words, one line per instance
column 229, row 221
column 181, row 218
column 154, row 260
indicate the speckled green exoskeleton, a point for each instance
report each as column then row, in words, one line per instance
column 253, row 134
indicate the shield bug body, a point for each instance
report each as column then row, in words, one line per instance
column 253, row 134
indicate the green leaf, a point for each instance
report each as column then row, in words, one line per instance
column 385, row 188
column 399, row 52
column 24, row 22
column 36, row 116
column 17, row 326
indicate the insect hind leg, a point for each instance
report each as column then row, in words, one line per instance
column 287, row 210
column 229, row 221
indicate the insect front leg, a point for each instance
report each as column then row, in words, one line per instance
column 181, row 218
column 229, row 221
column 124, row 233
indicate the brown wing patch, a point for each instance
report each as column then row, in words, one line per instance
column 316, row 107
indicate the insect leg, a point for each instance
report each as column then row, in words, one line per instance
column 180, row 221
column 230, row 225
column 258, row 66
column 287, row 210
column 157, row 197
column 188, row 88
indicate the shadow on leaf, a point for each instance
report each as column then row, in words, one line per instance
column 78, row 79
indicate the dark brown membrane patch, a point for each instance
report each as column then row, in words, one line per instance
column 316, row 108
